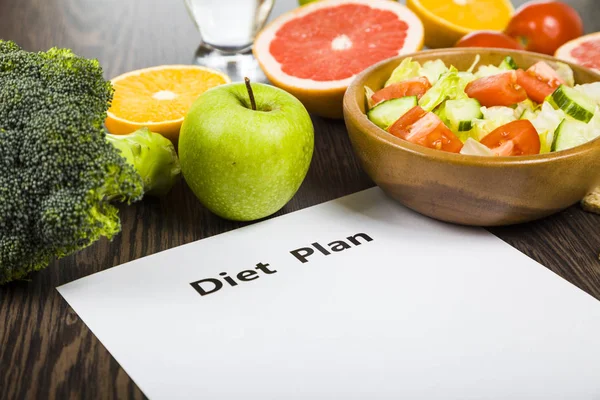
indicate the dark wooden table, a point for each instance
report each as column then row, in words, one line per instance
column 45, row 350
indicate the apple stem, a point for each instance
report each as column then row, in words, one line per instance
column 250, row 93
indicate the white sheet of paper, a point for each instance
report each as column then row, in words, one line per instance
column 425, row 310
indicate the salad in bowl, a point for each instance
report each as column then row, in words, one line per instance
column 487, row 110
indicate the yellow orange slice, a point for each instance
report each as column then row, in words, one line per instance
column 158, row 97
column 446, row 21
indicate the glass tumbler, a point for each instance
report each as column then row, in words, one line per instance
column 227, row 30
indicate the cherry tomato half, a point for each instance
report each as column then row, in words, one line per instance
column 497, row 90
column 411, row 87
column 489, row 39
column 517, row 138
column 427, row 129
column 544, row 26
column 539, row 81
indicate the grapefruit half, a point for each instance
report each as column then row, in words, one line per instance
column 315, row 51
column 584, row 50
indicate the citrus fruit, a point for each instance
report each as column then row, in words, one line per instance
column 158, row 97
column 448, row 20
column 584, row 51
column 315, row 51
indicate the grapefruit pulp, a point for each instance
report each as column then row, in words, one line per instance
column 315, row 51
column 584, row 51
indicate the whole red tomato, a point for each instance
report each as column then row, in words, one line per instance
column 544, row 26
column 489, row 39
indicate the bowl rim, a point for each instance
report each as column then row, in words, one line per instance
column 352, row 112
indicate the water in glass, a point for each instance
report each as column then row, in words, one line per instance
column 228, row 29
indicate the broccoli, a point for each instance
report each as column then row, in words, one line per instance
column 58, row 171
column 153, row 157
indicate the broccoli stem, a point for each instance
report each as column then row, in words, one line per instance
column 152, row 156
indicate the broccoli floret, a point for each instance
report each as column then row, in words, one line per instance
column 56, row 167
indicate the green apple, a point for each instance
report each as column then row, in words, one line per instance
column 243, row 163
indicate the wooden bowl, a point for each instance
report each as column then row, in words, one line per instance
column 469, row 190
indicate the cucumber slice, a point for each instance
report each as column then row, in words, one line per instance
column 574, row 103
column 550, row 101
column 572, row 133
column 386, row 113
column 568, row 134
column 459, row 114
column 508, row 64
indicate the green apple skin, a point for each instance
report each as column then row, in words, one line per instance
column 245, row 164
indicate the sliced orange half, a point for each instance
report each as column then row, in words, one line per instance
column 446, row 21
column 158, row 97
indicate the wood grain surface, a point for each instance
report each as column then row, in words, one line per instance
column 46, row 352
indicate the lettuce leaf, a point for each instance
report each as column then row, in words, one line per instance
column 475, row 62
column 369, row 97
column 449, row 86
column 473, row 148
column 525, row 107
column 407, row 69
column 433, row 70
column 487, row 70
column 592, row 90
column 565, row 72
column 464, row 78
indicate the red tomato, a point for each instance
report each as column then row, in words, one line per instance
column 489, row 39
column 517, row 138
column 544, row 26
column 411, row 87
column 427, row 129
column 405, row 121
column 546, row 73
column 497, row 90
column 539, row 81
column 536, row 89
